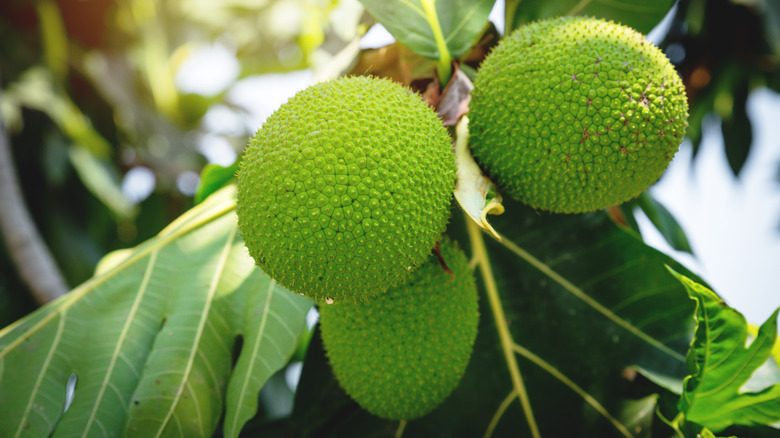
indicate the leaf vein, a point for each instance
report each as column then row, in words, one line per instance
column 42, row 373
column 120, row 342
column 199, row 329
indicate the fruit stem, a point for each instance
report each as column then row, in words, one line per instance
column 507, row 343
column 444, row 66
column 400, row 431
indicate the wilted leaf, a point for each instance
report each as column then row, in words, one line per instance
column 150, row 338
column 454, row 100
column 394, row 62
column 720, row 364
column 475, row 193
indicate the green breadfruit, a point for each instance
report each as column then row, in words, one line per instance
column 573, row 115
column 400, row 355
column 346, row 188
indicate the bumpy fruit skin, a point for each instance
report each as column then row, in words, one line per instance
column 572, row 115
column 346, row 188
column 400, row 355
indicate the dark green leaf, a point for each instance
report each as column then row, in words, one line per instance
column 720, row 364
column 664, row 222
column 430, row 28
column 214, row 177
column 584, row 302
column 642, row 16
column 323, row 409
column 737, row 129
column 626, row 218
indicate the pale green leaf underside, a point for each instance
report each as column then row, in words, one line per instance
column 455, row 23
column 150, row 338
column 268, row 336
column 720, row 364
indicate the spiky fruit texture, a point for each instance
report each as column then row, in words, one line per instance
column 572, row 115
column 346, row 188
column 400, row 355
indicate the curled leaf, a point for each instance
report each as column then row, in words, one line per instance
column 475, row 193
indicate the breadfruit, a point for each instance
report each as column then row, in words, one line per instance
column 572, row 115
column 400, row 355
column 346, row 188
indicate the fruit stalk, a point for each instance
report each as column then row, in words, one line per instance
column 507, row 344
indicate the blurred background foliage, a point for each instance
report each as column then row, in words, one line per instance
column 108, row 142
column 109, row 134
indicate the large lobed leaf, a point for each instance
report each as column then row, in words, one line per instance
column 720, row 364
column 584, row 302
column 150, row 339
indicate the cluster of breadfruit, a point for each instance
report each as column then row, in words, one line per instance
column 345, row 191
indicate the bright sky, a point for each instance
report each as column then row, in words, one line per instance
column 733, row 225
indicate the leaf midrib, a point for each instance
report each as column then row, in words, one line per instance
column 587, row 299
column 255, row 348
column 200, row 329
column 120, row 342
column 41, row 374
column 171, row 233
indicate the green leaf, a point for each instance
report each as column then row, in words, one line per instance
column 706, row 433
column 642, row 16
column 214, row 177
column 150, row 338
column 268, row 336
column 90, row 151
column 736, row 127
column 664, row 221
column 102, row 181
column 720, row 364
column 441, row 30
column 55, row 39
column 582, row 301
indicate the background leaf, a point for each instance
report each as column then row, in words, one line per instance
column 642, row 16
column 214, row 177
column 664, row 221
column 150, row 338
column 720, row 365
column 459, row 21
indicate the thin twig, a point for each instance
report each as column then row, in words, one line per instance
column 25, row 246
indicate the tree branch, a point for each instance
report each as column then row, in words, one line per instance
column 28, row 251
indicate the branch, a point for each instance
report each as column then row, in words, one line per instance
column 28, row 251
